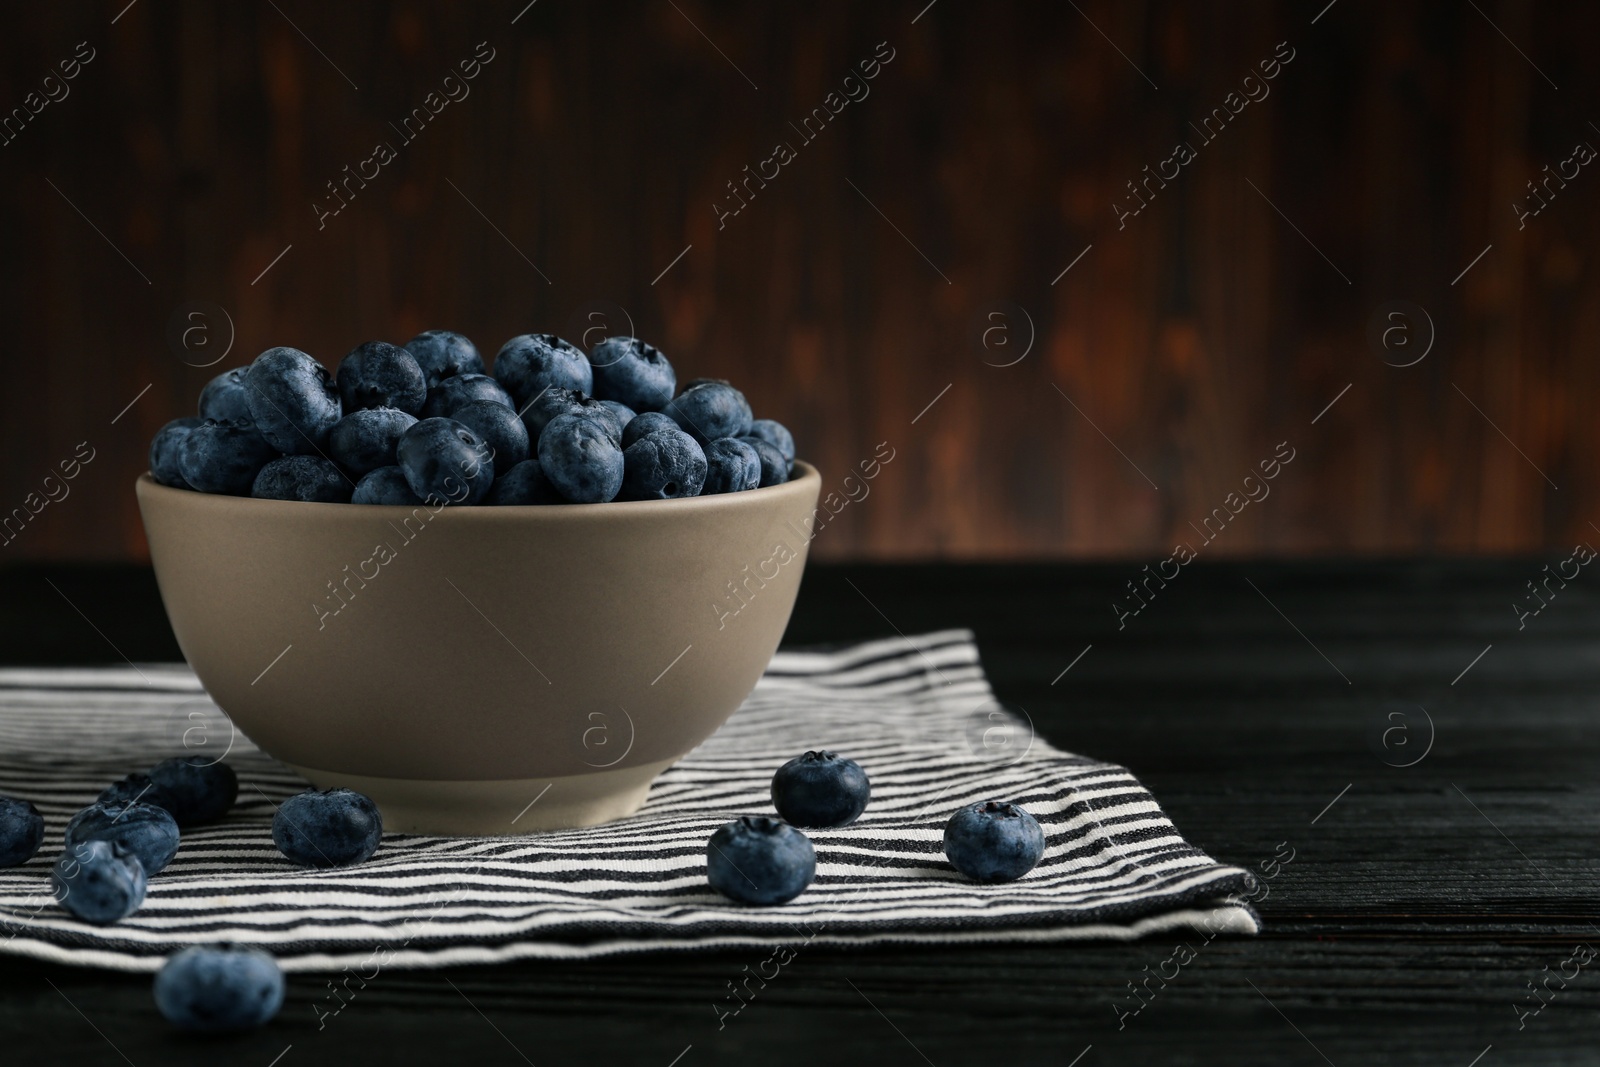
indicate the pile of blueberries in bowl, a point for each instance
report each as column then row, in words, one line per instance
column 423, row 423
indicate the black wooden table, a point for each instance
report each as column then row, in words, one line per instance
column 1409, row 764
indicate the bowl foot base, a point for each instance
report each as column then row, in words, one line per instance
column 498, row 807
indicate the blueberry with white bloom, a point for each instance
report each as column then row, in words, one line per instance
column 293, row 400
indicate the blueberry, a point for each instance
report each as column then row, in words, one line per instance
column 777, row 435
column 332, row 828
column 820, row 789
column 538, row 412
column 164, row 452
column 134, row 788
column 498, row 427
column 99, row 881
column 444, row 398
column 223, row 457
column 377, row 374
column 445, row 462
column 219, row 988
column 993, row 841
column 663, row 466
column 195, row 789
column 581, row 459
column 530, row 364
column 442, row 354
column 711, row 410
column 309, row 479
column 623, row 412
column 524, row 484
column 637, row 374
column 692, row 382
column 225, row 397
column 386, row 485
column 365, row 440
column 732, row 466
column 759, row 860
column 293, row 400
column 147, row 831
column 646, row 422
column 774, row 471
column 21, row 831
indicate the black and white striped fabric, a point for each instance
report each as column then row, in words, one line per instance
column 916, row 713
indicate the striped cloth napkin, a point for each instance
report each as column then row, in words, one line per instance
column 917, row 713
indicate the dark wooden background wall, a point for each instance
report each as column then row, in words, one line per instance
column 1168, row 361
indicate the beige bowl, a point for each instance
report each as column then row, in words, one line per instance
column 482, row 670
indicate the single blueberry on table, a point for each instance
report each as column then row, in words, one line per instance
column 581, row 458
column 309, row 479
column 711, row 410
column 533, row 362
column 132, row 789
column 663, row 466
column 549, row 403
column 293, row 400
column 732, row 466
column 365, row 440
column 760, row 860
column 99, row 881
column 646, row 422
column 637, row 374
column 377, row 374
column 387, row 486
column 442, row 354
column 820, row 789
column 219, row 988
column 164, row 452
column 225, row 397
column 444, row 398
column 774, row 471
column 523, row 484
column 777, row 435
column 223, row 457
column 147, row 831
column 993, row 841
column 331, row 828
column 623, row 412
column 499, row 428
column 444, row 462
column 194, row 788
column 21, row 831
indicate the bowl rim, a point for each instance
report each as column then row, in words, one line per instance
column 806, row 480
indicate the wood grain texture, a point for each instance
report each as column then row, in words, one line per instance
column 857, row 283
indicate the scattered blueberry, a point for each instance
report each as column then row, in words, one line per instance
column 131, row 789
column 444, row 398
column 365, row 440
column 386, row 485
column 663, row 466
column 759, row 860
column 223, row 457
column 732, row 466
column 637, row 374
column 293, row 400
column 21, row 831
column 444, row 461
column 711, row 410
column 310, row 479
column 99, row 881
column 524, row 484
column 820, row 789
column 529, row 364
column 225, row 397
column 777, row 435
column 623, row 412
column 581, row 458
column 195, row 789
column 993, row 841
column 147, row 831
column 646, row 422
column 332, row 828
column 219, row 988
column 164, row 452
column 499, row 428
column 549, row 403
column 377, row 374
column 774, row 471
column 442, row 354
